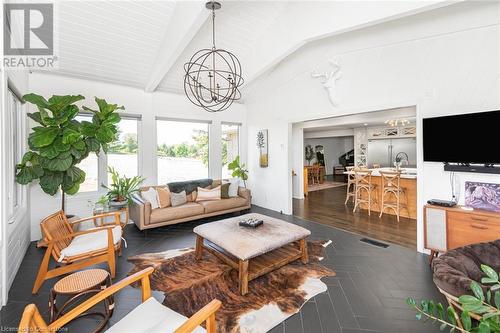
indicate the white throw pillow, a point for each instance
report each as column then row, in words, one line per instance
column 151, row 196
column 207, row 195
column 234, row 183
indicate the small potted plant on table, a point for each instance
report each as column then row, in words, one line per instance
column 121, row 189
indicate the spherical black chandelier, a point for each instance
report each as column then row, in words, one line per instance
column 213, row 76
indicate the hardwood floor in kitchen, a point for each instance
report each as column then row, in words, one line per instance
column 327, row 207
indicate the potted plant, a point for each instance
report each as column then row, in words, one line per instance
column 238, row 170
column 309, row 154
column 121, row 189
column 60, row 142
column 478, row 313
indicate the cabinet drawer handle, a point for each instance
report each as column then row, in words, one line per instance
column 479, row 218
column 479, row 226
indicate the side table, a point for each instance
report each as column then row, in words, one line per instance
column 76, row 286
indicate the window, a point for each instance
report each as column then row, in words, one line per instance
column 123, row 154
column 90, row 165
column 230, row 146
column 182, row 150
column 14, row 143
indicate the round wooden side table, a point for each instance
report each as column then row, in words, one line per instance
column 77, row 285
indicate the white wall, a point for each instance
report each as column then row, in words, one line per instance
column 136, row 101
column 15, row 229
column 444, row 62
column 333, row 149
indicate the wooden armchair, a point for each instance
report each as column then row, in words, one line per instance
column 76, row 250
column 141, row 319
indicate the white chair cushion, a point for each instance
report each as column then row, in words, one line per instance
column 151, row 317
column 90, row 242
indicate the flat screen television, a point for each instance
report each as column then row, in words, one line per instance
column 467, row 138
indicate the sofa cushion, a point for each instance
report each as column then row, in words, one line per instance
column 234, row 184
column 454, row 271
column 151, row 196
column 224, row 191
column 189, row 186
column 163, row 196
column 174, row 213
column 151, row 317
column 208, row 195
column 178, row 199
column 223, row 204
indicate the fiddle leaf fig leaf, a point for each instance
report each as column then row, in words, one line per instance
column 51, row 181
column 61, row 163
column 88, row 129
column 58, row 103
column 49, row 151
column 43, row 136
column 38, row 100
column 93, row 145
column 36, row 117
column 70, row 136
column 75, row 174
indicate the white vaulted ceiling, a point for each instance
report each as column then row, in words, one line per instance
column 146, row 43
column 239, row 27
column 114, row 41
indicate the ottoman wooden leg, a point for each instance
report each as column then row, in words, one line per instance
column 199, row 247
column 303, row 250
column 243, row 276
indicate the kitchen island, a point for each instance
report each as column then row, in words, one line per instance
column 408, row 183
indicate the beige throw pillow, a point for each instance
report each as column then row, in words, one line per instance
column 163, row 197
column 177, row 199
column 208, row 195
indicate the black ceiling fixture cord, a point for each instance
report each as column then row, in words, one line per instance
column 213, row 76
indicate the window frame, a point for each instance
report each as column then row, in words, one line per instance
column 102, row 158
column 209, row 124
column 15, row 118
column 239, row 126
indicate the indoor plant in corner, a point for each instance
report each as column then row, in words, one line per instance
column 238, row 170
column 121, row 189
column 60, row 142
column 479, row 312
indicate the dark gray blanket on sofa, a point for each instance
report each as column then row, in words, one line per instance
column 189, row 186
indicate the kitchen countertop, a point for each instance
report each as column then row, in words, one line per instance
column 406, row 173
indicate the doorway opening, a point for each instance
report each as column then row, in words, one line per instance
column 335, row 153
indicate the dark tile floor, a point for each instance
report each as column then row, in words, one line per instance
column 367, row 295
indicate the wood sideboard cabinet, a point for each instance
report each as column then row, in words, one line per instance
column 448, row 228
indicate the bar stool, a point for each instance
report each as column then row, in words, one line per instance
column 391, row 184
column 363, row 182
column 316, row 173
column 351, row 184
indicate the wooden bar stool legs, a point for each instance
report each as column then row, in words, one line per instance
column 363, row 185
column 351, row 185
column 391, row 188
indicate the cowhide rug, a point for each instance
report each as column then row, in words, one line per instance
column 189, row 285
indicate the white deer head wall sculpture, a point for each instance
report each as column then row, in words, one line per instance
column 329, row 81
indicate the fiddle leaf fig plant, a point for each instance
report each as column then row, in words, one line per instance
column 60, row 142
column 238, row 170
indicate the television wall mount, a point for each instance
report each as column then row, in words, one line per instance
column 466, row 167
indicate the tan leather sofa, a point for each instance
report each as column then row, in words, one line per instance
column 146, row 218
